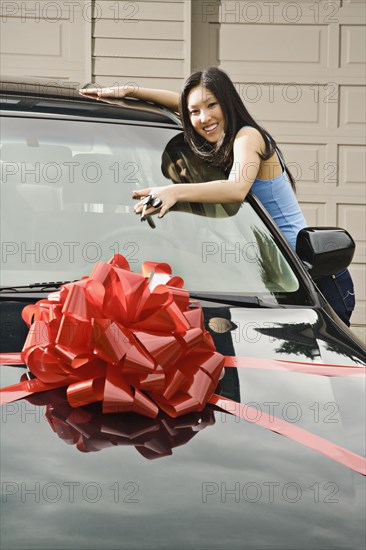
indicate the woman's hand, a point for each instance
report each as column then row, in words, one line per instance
column 167, row 195
column 113, row 91
column 168, row 99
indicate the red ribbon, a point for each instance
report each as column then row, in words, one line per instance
column 323, row 369
column 136, row 343
column 319, row 444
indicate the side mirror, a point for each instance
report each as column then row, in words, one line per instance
column 324, row 250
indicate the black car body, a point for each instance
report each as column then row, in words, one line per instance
column 69, row 166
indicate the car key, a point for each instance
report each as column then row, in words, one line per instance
column 153, row 201
column 146, row 203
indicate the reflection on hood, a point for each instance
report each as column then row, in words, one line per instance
column 90, row 430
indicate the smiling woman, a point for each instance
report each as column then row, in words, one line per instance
column 219, row 129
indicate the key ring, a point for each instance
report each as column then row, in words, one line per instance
column 155, row 202
column 152, row 200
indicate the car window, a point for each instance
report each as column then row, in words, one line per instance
column 66, row 195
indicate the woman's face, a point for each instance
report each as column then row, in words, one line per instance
column 205, row 113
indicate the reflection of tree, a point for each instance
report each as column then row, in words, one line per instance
column 301, row 339
column 269, row 260
column 336, row 342
column 298, row 339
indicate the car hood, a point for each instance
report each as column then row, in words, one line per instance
column 82, row 479
column 291, row 334
column 87, row 480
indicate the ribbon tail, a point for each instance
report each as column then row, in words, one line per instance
column 304, row 437
column 293, row 366
column 26, row 388
column 11, row 359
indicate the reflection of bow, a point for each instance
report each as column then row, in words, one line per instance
column 133, row 342
column 91, row 430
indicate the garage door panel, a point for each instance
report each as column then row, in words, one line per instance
column 352, row 169
column 358, row 275
column 352, row 112
column 306, row 162
column 352, row 3
column 351, row 217
column 353, row 46
column 286, row 104
column 314, row 212
column 286, row 44
column 45, row 39
column 12, row 46
column 299, row 50
column 280, row 12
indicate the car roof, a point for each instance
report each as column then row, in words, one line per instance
column 43, row 95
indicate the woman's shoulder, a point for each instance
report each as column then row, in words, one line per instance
column 248, row 131
column 252, row 134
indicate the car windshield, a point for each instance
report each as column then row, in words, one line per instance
column 66, row 203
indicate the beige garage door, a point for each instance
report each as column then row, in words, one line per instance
column 300, row 68
column 48, row 39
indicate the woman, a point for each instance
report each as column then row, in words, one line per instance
column 219, row 129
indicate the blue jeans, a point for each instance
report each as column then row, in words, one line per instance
column 339, row 292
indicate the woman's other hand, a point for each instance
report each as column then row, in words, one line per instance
column 116, row 92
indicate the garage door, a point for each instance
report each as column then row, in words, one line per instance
column 300, row 68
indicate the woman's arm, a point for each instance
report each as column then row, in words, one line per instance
column 166, row 98
column 247, row 145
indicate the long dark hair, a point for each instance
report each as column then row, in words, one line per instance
column 235, row 117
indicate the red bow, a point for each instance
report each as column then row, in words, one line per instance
column 134, row 342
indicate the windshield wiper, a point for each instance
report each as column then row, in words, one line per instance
column 248, row 301
column 229, row 299
column 37, row 286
